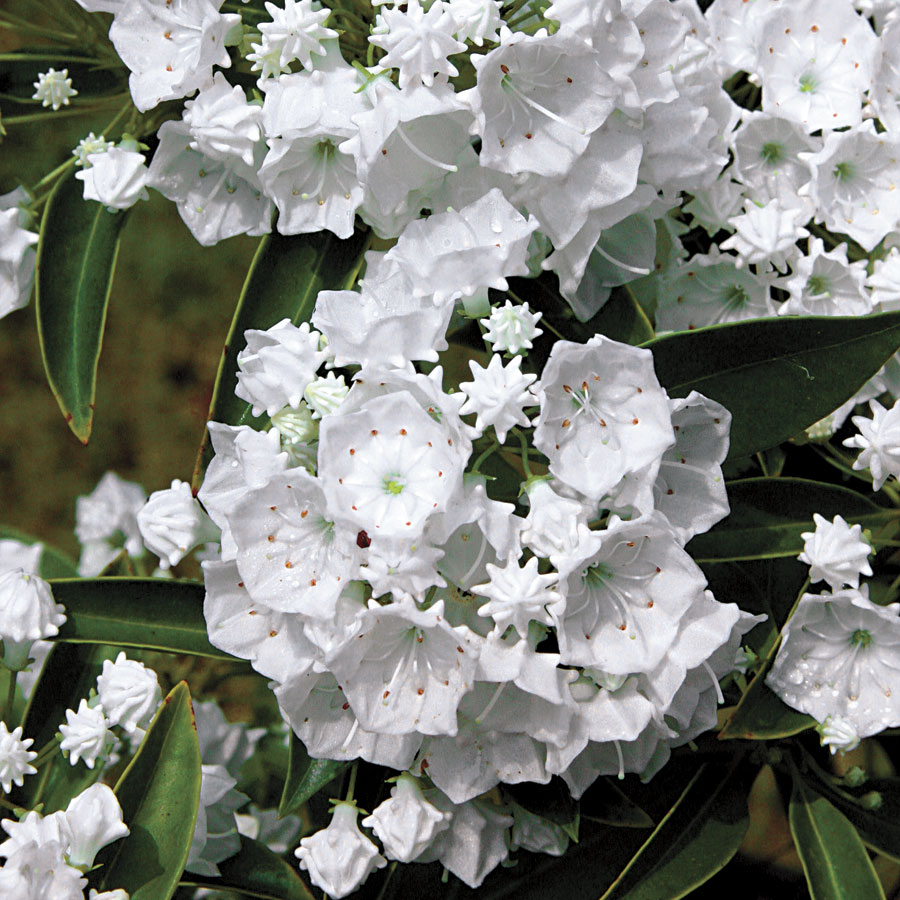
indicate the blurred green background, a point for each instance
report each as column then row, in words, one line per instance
column 169, row 313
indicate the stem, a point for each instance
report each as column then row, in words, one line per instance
column 352, row 784
column 386, row 881
column 485, row 454
column 10, row 697
column 524, row 444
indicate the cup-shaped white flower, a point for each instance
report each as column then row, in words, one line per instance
column 93, row 820
column 406, row 823
column 129, row 692
column 34, row 828
column 840, row 656
column 86, row 734
column 15, row 757
column 835, row 553
column 388, row 467
column 17, row 257
column 172, row 522
column 603, row 414
column 339, row 858
column 117, row 178
column 27, row 612
column 39, row 871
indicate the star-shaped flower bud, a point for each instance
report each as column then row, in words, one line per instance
column 129, row 692
column 835, row 553
column 512, row 328
column 498, row 395
column 86, row 734
column 879, row 439
column 172, row 523
column 766, row 233
column 837, row 733
column 15, row 757
column 88, row 145
column 518, row 595
column 296, row 31
column 54, row 88
column 324, row 395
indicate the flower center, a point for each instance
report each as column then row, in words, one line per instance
column 861, row 638
column 597, row 575
column 818, row 285
column 808, row 83
column 735, row 297
column 772, row 152
column 844, row 171
column 393, row 484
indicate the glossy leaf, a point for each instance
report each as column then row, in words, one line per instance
column 776, row 376
column 152, row 613
column 835, row 862
column 284, row 280
column 697, row 837
column 768, row 515
column 76, row 258
column 68, row 674
column 54, row 563
column 305, row 777
column 256, row 872
column 159, row 793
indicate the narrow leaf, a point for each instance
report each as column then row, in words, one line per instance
column 284, row 280
column 152, row 613
column 54, row 563
column 696, row 839
column 159, row 794
column 305, row 777
column 768, row 515
column 835, row 862
column 256, row 872
column 76, row 257
column 776, row 376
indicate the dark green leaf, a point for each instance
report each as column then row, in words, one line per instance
column 54, row 563
column 834, row 859
column 776, row 376
column 878, row 827
column 622, row 319
column 551, row 801
column 605, row 802
column 697, row 837
column 68, row 674
column 284, row 280
column 768, row 516
column 159, row 794
column 762, row 715
column 76, row 257
column 257, row 872
column 152, row 613
column 305, row 777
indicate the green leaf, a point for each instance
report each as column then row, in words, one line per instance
column 159, row 793
column 305, row 777
column 153, row 613
column 605, row 802
column 54, row 563
column 761, row 715
column 257, row 872
column 68, row 674
column 696, row 839
column 284, row 280
column 835, row 862
column 622, row 319
column 768, row 516
column 776, row 376
column 879, row 827
column 76, row 257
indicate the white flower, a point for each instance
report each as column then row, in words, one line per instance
column 879, row 439
column 827, row 284
column 554, row 523
column 54, row 88
column 339, row 858
column 417, row 42
column 172, row 522
column 88, row 145
column 171, row 46
column 838, row 733
column 295, row 32
column 766, row 234
column 835, row 553
column 839, row 657
column 406, row 823
column 536, row 834
column 277, row 365
column 475, row 20
column 15, row 757
column 93, row 819
column 387, row 467
column 86, row 734
column 885, row 282
column 324, row 395
column 603, row 414
column 215, row 835
column 118, row 894
column 512, row 327
column 39, row 871
column 518, row 595
column 17, row 254
column 129, row 692
column 224, row 126
column 498, row 395
column 117, row 178
column 27, row 612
